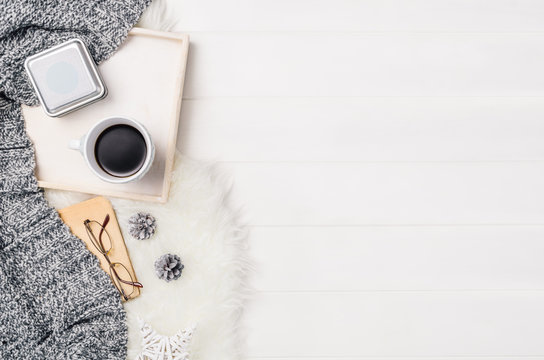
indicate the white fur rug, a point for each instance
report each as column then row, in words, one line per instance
column 196, row 225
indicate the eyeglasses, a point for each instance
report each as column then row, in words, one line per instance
column 121, row 277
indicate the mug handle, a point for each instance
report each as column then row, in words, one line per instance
column 75, row 144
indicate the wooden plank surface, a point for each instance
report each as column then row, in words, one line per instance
column 406, row 193
column 385, row 258
column 363, row 129
column 360, row 15
column 429, row 325
column 365, row 64
column 401, row 358
column 388, row 157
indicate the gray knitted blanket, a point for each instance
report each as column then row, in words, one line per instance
column 55, row 301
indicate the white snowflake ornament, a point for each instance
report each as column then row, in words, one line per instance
column 162, row 347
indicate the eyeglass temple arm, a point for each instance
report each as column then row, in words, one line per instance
column 133, row 283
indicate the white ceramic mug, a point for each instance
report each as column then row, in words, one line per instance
column 86, row 146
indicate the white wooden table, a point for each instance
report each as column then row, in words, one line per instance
column 389, row 155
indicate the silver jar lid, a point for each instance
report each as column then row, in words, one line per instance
column 65, row 78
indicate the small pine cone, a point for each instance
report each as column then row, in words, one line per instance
column 168, row 267
column 142, row 226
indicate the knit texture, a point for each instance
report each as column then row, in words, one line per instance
column 55, row 301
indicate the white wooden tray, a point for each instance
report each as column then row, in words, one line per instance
column 145, row 82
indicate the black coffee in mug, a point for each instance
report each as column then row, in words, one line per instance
column 120, row 150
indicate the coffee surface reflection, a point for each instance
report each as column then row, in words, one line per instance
column 120, row 150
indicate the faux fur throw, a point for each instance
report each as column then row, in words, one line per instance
column 55, row 301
